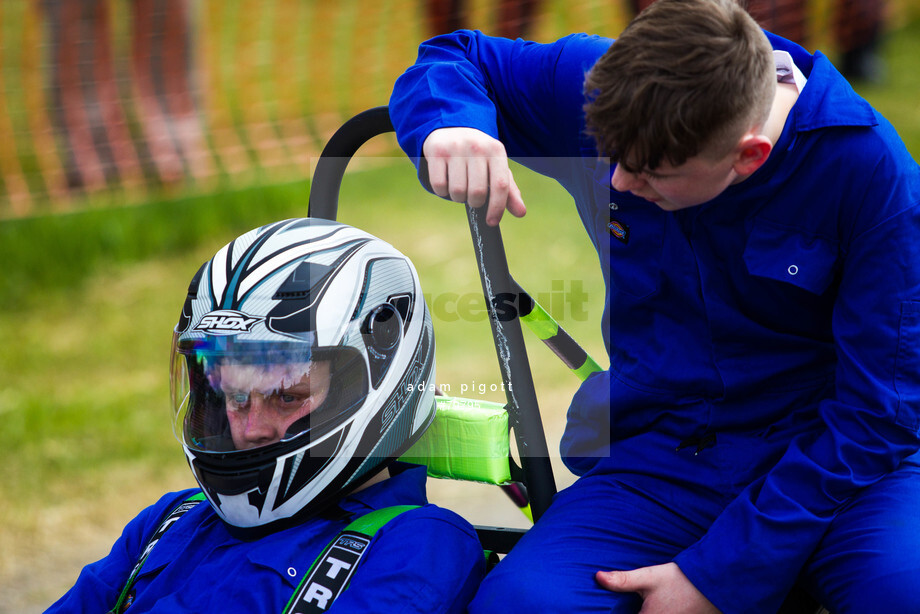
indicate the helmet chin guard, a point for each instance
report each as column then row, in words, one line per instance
column 299, row 369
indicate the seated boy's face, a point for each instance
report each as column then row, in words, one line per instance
column 263, row 401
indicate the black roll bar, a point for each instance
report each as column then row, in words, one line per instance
column 498, row 287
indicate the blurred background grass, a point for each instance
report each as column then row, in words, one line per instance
column 89, row 297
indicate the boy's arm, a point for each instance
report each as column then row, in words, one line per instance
column 99, row 584
column 511, row 98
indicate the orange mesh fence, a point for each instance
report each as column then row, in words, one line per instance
column 131, row 99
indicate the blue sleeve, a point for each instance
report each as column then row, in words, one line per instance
column 872, row 422
column 99, row 584
column 426, row 561
column 528, row 95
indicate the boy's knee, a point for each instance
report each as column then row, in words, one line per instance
column 895, row 592
column 524, row 591
column 875, row 589
column 509, row 593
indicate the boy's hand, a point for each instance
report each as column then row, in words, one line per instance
column 467, row 165
column 664, row 589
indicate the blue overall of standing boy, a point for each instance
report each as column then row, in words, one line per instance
column 758, row 228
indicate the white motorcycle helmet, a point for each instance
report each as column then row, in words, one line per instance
column 302, row 363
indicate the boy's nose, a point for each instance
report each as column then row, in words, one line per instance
column 261, row 426
column 624, row 181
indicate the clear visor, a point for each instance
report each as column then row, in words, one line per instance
column 229, row 397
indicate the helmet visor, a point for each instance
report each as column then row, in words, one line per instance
column 238, row 396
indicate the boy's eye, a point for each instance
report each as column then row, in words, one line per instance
column 237, row 401
column 290, row 401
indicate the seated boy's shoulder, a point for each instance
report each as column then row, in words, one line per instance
column 431, row 519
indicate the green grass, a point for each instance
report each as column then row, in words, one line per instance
column 897, row 97
column 46, row 255
column 90, row 300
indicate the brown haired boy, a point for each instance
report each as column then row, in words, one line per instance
column 758, row 229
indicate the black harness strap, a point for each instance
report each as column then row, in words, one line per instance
column 127, row 596
column 332, row 570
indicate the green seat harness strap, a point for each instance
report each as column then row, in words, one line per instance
column 327, row 577
column 330, row 573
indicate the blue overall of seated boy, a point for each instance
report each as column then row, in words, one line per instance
column 758, row 228
column 298, row 372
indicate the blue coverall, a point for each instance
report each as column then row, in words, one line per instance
column 425, row 560
column 760, row 414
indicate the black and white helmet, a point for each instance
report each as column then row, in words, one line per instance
column 302, row 363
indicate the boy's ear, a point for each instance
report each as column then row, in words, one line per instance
column 753, row 150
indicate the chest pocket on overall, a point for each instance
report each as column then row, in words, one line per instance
column 791, row 256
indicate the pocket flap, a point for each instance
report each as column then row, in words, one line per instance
column 792, row 256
